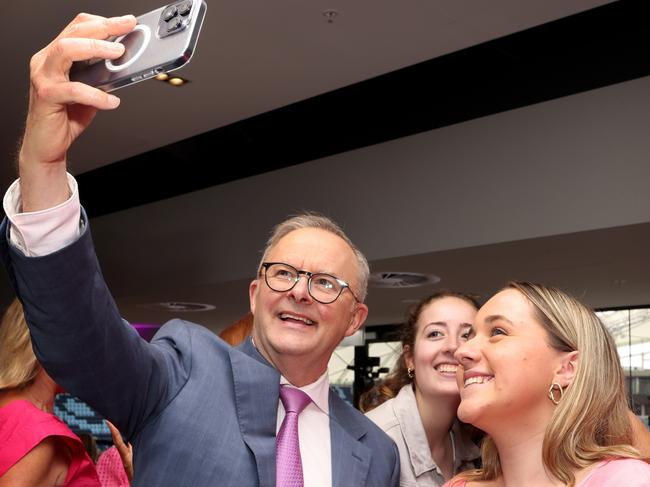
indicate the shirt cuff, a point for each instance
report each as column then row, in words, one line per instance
column 43, row 232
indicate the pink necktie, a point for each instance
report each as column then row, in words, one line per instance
column 287, row 446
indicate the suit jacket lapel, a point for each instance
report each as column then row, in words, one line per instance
column 350, row 458
column 257, row 391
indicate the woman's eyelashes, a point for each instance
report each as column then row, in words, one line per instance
column 435, row 334
column 497, row 330
column 465, row 334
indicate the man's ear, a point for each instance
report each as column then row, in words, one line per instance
column 253, row 289
column 357, row 319
column 566, row 369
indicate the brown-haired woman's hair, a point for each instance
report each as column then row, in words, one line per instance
column 18, row 364
column 399, row 377
column 591, row 422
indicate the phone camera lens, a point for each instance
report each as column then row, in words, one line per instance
column 174, row 24
column 169, row 13
column 185, row 7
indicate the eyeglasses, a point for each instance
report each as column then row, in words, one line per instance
column 324, row 288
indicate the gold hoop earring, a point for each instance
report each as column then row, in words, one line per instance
column 410, row 372
column 551, row 393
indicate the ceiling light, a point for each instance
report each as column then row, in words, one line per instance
column 179, row 306
column 401, row 279
column 330, row 15
column 176, row 81
column 162, row 77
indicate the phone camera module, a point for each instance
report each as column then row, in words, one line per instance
column 174, row 24
column 175, row 18
column 185, row 8
column 169, row 13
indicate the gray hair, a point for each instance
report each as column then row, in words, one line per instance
column 316, row 220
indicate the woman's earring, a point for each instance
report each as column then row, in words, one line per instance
column 410, row 372
column 551, row 393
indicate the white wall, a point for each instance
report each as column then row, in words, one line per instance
column 572, row 164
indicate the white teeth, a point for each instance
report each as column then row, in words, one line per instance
column 286, row 316
column 479, row 379
column 450, row 368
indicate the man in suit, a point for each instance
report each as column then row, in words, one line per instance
column 198, row 412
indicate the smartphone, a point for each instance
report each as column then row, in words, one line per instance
column 163, row 40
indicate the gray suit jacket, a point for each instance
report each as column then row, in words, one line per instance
column 199, row 413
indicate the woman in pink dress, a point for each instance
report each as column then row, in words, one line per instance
column 36, row 448
column 541, row 375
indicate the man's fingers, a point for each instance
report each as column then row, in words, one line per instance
column 68, row 92
column 100, row 27
column 81, row 17
column 64, row 52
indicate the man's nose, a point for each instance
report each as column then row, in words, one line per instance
column 300, row 292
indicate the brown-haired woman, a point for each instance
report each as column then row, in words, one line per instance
column 416, row 404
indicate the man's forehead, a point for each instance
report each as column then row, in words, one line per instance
column 313, row 247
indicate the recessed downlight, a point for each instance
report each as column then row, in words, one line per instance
column 398, row 280
column 179, row 306
column 172, row 80
column 176, row 81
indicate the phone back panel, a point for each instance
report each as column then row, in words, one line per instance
column 153, row 53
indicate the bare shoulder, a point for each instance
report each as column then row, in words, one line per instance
column 45, row 465
column 483, row 483
column 472, row 483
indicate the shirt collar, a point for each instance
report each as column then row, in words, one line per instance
column 466, row 450
column 407, row 414
column 317, row 391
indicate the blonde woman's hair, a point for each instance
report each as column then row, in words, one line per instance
column 18, row 364
column 316, row 220
column 591, row 422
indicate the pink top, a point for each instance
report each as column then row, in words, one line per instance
column 627, row 472
column 23, row 426
column 612, row 473
column 624, row 471
column 111, row 470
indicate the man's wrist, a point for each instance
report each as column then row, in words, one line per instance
column 45, row 231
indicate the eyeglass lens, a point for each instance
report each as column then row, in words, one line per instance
column 322, row 287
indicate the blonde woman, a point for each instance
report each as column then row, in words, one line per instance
column 36, row 448
column 542, row 377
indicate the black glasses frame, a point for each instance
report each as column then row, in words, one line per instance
column 344, row 285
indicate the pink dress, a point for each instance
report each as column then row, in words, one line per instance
column 627, row 472
column 111, row 470
column 23, row 426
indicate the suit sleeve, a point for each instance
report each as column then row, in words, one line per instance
column 394, row 479
column 81, row 340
